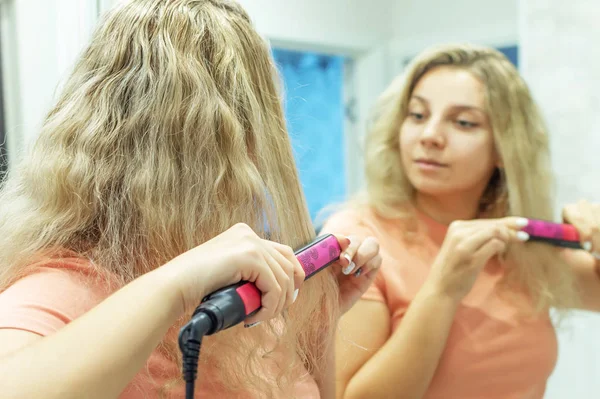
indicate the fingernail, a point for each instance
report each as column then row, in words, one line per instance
column 252, row 324
column 348, row 269
column 596, row 255
column 348, row 257
column 522, row 236
column 587, row 246
column 522, row 222
column 358, row 272
column 295, row 295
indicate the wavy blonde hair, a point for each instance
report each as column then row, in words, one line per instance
column 170, row 130
column 523, row 188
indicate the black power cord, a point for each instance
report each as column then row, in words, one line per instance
column 218, row 311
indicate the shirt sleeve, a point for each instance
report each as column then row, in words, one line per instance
column 47, row 299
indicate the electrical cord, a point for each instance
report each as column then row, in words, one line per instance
column 219, row 311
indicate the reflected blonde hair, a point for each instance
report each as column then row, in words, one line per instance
column 523, row 188
column 169, row 131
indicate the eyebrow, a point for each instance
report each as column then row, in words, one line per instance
column 458, row 106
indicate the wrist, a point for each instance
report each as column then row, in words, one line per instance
column 433, row 291
column 167, row 280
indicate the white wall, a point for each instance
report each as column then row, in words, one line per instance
column 422, row 23
column 336, row 26
column 40, row 41
column 349, row 26
column 559, row 59
column 370, row 76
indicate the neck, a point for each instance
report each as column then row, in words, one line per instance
column 447, row 209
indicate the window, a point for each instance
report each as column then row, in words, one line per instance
column 314, row 111
column 512, row 53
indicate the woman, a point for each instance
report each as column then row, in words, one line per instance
column 456, row 159
column 168, row 133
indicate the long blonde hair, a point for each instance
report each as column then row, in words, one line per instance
column 170, row 130
column 524, row 187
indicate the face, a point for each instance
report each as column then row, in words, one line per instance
column 446, row 141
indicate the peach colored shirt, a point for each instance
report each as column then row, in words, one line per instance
column 60, row 291
column 491, row 353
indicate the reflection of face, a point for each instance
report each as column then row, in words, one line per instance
column 446, row 141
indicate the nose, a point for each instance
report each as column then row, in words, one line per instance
column 433, row 134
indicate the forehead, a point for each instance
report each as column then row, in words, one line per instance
column 447, row 86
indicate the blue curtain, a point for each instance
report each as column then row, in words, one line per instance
column 314, row 111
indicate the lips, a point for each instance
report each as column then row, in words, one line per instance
column 430, row 162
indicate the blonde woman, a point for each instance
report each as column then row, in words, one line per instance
column 456, row 159
column 155, row 180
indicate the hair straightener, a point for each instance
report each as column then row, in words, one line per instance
column 231, row 305
column 558, row 234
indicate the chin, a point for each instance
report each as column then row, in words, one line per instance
column 433, row 190
column 431, row 187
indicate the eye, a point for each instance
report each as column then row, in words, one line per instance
column 466, row 124
column 416, row 116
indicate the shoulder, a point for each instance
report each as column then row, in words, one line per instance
column 350, row 218
column 52, row 293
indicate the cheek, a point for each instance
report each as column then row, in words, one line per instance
column 476, row 155
column 407, row 140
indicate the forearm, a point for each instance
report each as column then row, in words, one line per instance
column 97, row 355
column 405, row 364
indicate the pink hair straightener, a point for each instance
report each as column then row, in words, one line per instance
column 243, row 299
column 231, row 305
column 558, row 234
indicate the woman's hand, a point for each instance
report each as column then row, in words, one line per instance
column 235, row 255
column 357, row 267
column 585, row 217
column 468, row 246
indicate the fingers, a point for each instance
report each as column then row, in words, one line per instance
column 285, row 256
column 513, row 222
column 371, row 267
column 284, row 273
column 359, row 257
column 367, row 257
column 343, row 241
column 575, row 214
column 280, row 293
column 586, row 219
column 288, row 253
column 347, row 257
column 267, row 283
column 489, row 249
column 468, row 238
